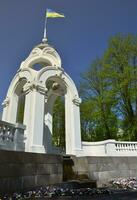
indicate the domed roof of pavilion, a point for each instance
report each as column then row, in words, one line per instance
column 44, row 53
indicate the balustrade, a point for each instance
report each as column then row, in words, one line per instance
column 109, row 148
column 11, row 136
column 126, row 146
column 6, row 133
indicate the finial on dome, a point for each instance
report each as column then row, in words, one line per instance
column 44, row 40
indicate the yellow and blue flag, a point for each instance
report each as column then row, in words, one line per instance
column 52, row 14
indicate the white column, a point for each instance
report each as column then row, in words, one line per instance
column 34, row 117
column 68, row 131
column 76, row 125
column 10, row 109
column 5, row 105
column 72, row 125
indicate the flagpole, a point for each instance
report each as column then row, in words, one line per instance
column 45, row 31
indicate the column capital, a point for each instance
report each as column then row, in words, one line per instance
column 6, row 102
column 35, row 86
column 60, row 72
column 76, row 100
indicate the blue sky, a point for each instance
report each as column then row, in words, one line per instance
column 79, row 38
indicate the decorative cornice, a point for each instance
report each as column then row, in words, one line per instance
column 34, row 86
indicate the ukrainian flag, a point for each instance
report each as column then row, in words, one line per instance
column 52, row 14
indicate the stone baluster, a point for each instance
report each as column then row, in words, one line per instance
column 9, row 136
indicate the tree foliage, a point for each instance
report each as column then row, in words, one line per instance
column 59, row 123
column 109, row 91
column 99, row 121
column 121, row 67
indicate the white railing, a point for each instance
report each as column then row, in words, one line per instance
column 109, row 148
column 126, row 146
column 12, row 136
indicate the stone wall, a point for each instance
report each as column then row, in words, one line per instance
column 104, row 169
column 23, row 171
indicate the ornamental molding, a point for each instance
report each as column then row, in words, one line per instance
column 44, row 52
column 40, row 54
column 34, row 86
column 49, row 50
column 77, row 101
column 35, row 52
column 6, row 102
column 60, row 72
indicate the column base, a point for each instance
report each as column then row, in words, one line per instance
column 79, row 152
column 37, row 149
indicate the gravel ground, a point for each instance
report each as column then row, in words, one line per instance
column 120, row 189
column 124, row 195
column 113, row 195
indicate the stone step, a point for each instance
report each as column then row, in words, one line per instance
column 76, row 184
column 65, row 157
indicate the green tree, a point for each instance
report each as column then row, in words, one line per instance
column 20, row 110
column 59, row 123
column 121, row 67
column 110, row 92
column 98, row 119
